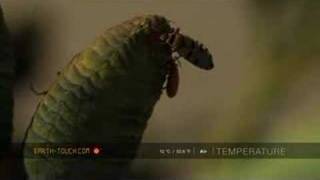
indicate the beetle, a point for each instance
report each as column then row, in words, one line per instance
column 188, row 48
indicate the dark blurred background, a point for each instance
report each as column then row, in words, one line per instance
column 265, row 87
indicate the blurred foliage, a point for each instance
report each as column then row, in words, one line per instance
column 27, row 42
column 7, row 74
column 286, row 41
column 287, row 45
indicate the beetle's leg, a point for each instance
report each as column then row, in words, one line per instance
column 36, row 92
column 169, row 63
column 176, row 57
column 177, row 31
column 163, row 37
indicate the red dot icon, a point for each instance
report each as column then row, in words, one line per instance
column 96, row 150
